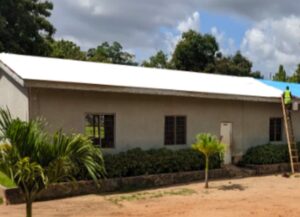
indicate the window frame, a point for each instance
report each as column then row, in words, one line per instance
column 114, row 127
column 175, row 130
column 274, row 139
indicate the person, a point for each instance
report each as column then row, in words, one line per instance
column 287, row 96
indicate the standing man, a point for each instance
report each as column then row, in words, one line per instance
column 287, row 96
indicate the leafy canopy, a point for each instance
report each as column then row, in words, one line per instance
column 194, row 51
column 159, row 60
column 237, row 65
column 280, row 75
column 296, row 76
column 66, row 50
column 110, row 54
column 24, row 27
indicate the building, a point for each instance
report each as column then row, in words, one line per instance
column 123, row 107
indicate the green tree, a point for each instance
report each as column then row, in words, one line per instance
column 296, row 76
column 257, row 74
column 195, row 51
column 24, row 27
column 111, row 54
column 208, row 145
column 159, row 60
column 66, row 50
column 34, row 160
column 280, row 75
column 237, row 65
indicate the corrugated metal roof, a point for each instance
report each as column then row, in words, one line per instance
column 295, row 88
column 60, row 70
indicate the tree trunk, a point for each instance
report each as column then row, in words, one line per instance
column 29, row 208
column 206, row 171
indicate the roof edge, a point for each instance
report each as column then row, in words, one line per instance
column 12, row 73
column 137, row 90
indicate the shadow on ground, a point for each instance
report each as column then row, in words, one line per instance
column 232, row 187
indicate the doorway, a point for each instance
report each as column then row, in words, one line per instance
column 226, row 138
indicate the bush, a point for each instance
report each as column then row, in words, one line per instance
column 138, row 162
column 267, row 154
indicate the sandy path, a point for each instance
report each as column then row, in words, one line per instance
column 259, row 196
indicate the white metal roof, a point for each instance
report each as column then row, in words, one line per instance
column 70, row 71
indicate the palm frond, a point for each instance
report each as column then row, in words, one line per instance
column 208, row 144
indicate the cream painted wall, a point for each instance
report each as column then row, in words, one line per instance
column 13, row 96
column 140, row 118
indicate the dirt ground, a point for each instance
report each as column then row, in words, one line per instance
column 258, row 196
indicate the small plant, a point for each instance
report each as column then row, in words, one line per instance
column 33, row 160
column 208, row 145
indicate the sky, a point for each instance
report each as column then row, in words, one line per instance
column 266, row 32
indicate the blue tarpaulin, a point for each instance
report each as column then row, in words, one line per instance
column 295, row 88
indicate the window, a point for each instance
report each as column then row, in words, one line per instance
column 175, row 130
column 100, row 128
column 275, row 129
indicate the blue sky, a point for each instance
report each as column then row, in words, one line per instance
column 232, row 26
column 266, row 32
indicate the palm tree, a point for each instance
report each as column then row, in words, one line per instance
column 208, row 145
column 34, row 160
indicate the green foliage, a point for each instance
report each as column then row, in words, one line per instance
column 296, row 76
column 24, row 28
column 280, row 75
column 208, row 144
column 159, row 60
column 237, row 65
column 66, row 50
column 110, row 54
column 137, row 162
column 33, row 159
column 267, row 154
column 256, row 74
column 194, row 51
column 6, row 181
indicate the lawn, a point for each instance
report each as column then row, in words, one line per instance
column 256, row 196
column 6, row 182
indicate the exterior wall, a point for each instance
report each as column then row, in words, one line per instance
column 140, row 118
column 13, row 96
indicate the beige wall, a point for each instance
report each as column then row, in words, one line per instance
column 13, row 96
column 140, row 118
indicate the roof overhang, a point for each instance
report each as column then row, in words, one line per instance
column 11, row 73
column 137, row 90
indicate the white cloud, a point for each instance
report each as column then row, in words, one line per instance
column 136, row 24
column 272, row 42
column 227, row 44
column 192, row 22
column 219, row 35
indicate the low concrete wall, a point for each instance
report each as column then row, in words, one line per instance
column 268, row 169
column 62, row 190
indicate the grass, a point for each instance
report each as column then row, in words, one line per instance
column 149, row 195
column 6, row 182
column 1, row 201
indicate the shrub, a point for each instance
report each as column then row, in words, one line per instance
column 138, row 162
column 267, row 154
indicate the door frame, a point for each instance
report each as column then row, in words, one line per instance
column 228, row 147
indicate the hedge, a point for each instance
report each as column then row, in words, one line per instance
column 267, row 154
column 138, row 162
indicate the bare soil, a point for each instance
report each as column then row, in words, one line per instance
column 257, row 196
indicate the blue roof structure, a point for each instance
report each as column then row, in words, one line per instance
column 294, row 87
